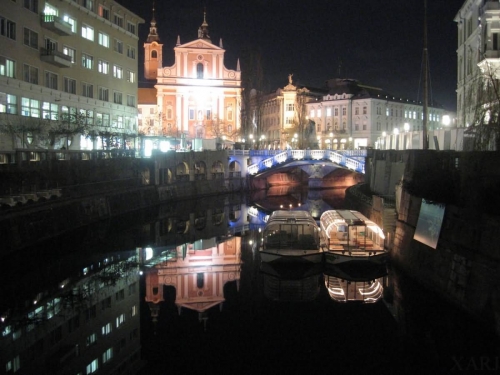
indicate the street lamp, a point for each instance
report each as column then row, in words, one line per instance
column 406, row 127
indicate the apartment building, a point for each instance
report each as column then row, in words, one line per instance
column 68, row 74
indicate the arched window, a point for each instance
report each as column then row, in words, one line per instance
column 154, row 54
column 199, row 70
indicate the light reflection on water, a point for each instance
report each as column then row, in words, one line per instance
column 181, row 289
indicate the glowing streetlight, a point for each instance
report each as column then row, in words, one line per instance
column 446, row 120
column 406, row 127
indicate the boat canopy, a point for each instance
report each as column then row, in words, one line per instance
column 335, row 221
column 291, row 230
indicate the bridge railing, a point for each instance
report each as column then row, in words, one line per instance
column 352, row 159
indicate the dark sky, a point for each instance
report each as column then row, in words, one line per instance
column 378, row 42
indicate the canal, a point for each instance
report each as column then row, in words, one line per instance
column 181, row 289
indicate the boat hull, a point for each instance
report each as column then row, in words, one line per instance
column 306, row 256
column 338, row 257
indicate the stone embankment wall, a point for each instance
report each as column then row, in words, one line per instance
column 94, row 190
column 464, row 267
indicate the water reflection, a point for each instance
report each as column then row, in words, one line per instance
column 291, row 281
column 198, row 271
column 356, row 281
column 205, row 303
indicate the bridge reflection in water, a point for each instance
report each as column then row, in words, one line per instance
column 181, row 290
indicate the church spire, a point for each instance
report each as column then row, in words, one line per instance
column 153, row 35
column 203, row 29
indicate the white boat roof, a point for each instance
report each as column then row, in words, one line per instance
column 291, row 216
column 329, row 219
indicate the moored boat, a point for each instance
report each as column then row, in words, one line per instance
column 348, row 235
column 291, row 236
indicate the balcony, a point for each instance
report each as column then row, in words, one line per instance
column 56, row 24
column 56, row 58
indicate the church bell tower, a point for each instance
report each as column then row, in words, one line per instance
column 153, row 51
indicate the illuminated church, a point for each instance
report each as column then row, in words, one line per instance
column 194, row 100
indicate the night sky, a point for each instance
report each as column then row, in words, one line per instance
column 378, row 42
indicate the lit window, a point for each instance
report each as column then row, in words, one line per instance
column 88, row 32
column 107, row 355
column 71, row 21
column 91, row 339
column 8, row 103
column 106, row 329
column 103, row 67
column 103, row 40
column 7, row 67
column 92, row 367
column 131, row 77
column 117, row 72
column 50, row 111
column 71, row 52
column 30, row 107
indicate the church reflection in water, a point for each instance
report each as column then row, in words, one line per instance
column 198, row 271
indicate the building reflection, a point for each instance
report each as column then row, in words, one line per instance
column 198, row 271
column 291, row 282
column 356, row 281
column 79, row 319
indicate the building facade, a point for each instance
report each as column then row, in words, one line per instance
column 275, row 118
column 196, row 98
column 478, row 71
column 68, row 74
column 353, row 115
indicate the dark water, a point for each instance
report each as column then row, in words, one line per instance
column 221, row 310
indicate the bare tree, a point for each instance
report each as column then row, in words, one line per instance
column 300, row 120
column 482, row 99
column 22, row 129
column 67, row 125
column 253, row 93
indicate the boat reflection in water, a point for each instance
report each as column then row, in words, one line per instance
column 291, row 236
column 291, row 281
column 198, row 271
column 360, row 281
